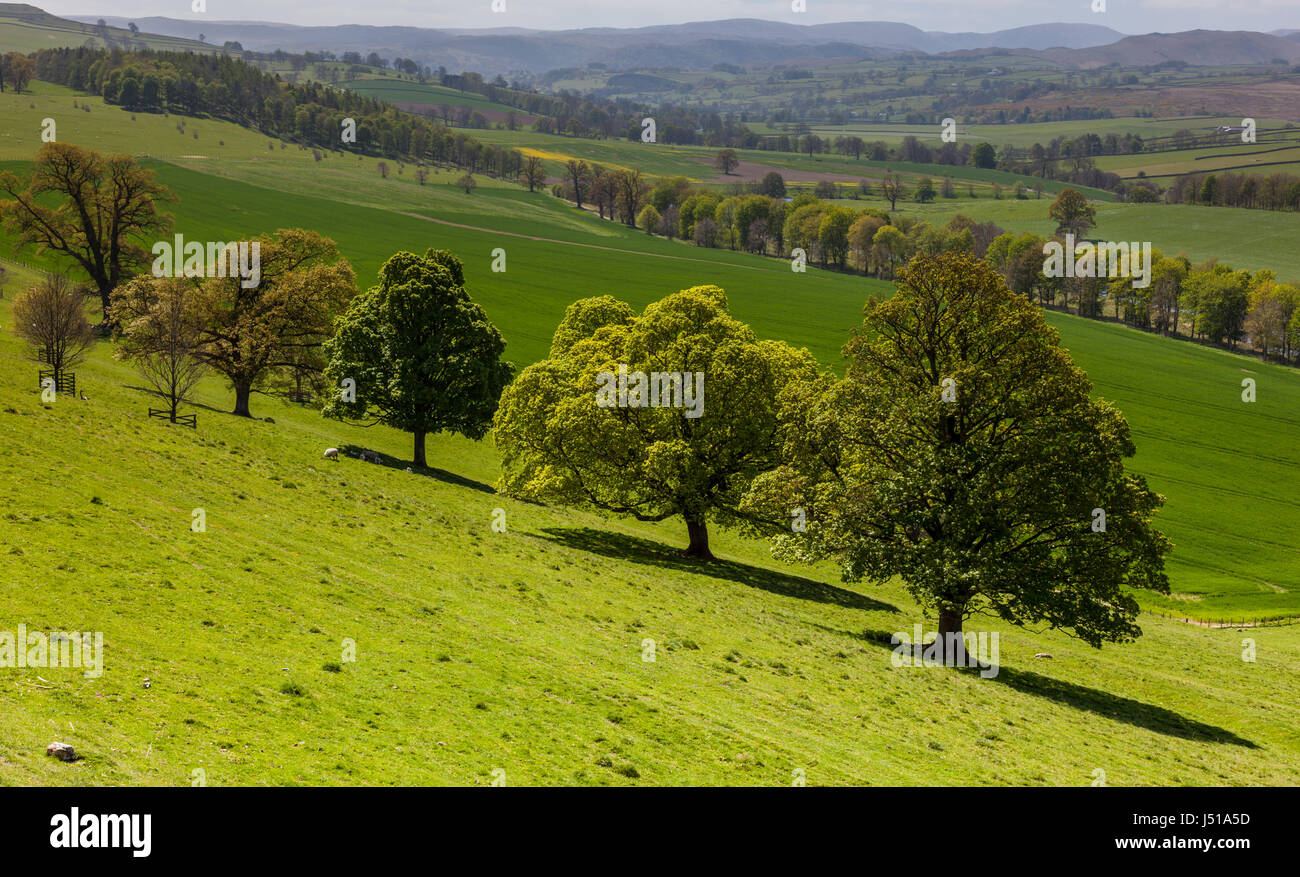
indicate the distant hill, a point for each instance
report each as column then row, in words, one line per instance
column 25, row 28
column 692, row 45
column 1198, row 47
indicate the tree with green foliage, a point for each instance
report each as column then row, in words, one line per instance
column 773, row 185
column 924, row 190
column 665, row 448
column 253, row 334
column 727, row 161
column 963, row 453
column 833, row 235
column 420, row 354
column 648, row 219
column 1073, row 214
column 984, row 156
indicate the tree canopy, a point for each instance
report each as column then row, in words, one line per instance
column 559, row 443
column 962, row 452
column 422, row 355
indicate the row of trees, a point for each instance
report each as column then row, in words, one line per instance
column 225, row 87
column 960, row 451
column 1254, row 192
column 1210, row 302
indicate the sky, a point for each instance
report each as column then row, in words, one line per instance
column 1126, row 16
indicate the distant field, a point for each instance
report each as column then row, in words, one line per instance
column 410, row 93
column 1023, row 135
column 30, row 33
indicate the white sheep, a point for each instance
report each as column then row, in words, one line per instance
column 332, row 454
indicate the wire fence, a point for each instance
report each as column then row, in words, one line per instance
column 1226, row 623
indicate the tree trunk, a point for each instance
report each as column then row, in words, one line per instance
column 950, row 624
column 419, row 458
column 242, row 394
column 699, row 533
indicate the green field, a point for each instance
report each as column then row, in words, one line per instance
column 408, row 91
column 1193, row 449
column 26, row 29
column 522, row 650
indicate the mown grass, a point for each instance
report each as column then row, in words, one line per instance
column 519, row 650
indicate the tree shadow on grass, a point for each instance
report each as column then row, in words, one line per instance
column 1093, row 700
column 157, row 401
column 354, row 451
column 646, row 551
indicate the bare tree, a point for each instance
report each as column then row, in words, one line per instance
column 51, row 316
column 104, row 209
column 161, row 334
column 891, row 188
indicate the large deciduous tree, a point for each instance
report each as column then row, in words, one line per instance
column 106, row 211
column 253, row 335
column 422, row 355
column 963, row 453
column 696, row 424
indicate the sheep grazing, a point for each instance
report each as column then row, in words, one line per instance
column 332, row 454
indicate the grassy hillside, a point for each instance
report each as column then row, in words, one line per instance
column 25, row 28
column 523, row 650
column 1223, row 465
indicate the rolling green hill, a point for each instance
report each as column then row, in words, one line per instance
column 523, row 650
column 1223, row 464
column 25, row 28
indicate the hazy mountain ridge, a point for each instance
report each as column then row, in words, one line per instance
column 697, row 45
column 684, row 45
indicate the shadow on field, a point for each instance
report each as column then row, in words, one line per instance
column 354, row 451
column 1093, row 700
column 638, row 550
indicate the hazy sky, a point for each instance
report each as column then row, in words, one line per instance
column 1128, row 16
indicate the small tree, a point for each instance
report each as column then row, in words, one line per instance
column 580, row 176
column 727, row 161
column 1073, row 214
column 383, row 169
column 467, row 182
column 423, row 355
column 963, row 453
column 18, row 69
column 533, row 173
column 421, row 175
column 51, row 317
column 773, row 185
column 925, row 190
column 648, row 219
column 891, row 188
column 161, row 333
